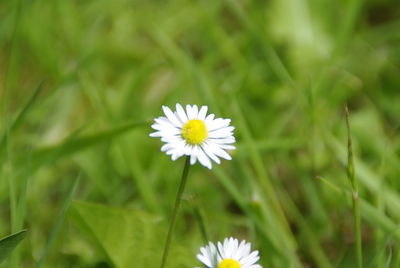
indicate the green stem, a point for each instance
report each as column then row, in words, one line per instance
column 354, row 189
column 203, row 230
column 13, row 200
column 178, row 202
column 357, row 227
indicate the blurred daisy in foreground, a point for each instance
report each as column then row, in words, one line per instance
column 195, row 134
column 230, row 254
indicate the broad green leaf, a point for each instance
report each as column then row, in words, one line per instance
column 7, row 244
column 130, row 238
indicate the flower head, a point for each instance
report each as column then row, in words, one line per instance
column 230, row 254
column 194, row 133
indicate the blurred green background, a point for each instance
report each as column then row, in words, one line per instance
column 81, row 82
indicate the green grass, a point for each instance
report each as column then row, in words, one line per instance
column 81, row 81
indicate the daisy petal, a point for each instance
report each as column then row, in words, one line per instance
column 171, row 116
column 181, row 113
column 202, row 113
column 203, row 158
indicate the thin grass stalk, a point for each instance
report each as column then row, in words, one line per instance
column 202, row 226
column 12, row 193
column 276, row 238
column 262, row 176
column 354, row 188
column 175, row 211
column 313, row 246
column 58, row 222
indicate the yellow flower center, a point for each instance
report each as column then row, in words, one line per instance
column 228, row 263
column 194, row 131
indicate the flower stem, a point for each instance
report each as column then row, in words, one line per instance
column 354, row 189
column 175, row 211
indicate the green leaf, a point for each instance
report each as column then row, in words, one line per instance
column 130, row 238
column 7, row 244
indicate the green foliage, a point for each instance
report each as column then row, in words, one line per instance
column 7, row 244
column 130, row 238
column 57, row 224
column 81, row 82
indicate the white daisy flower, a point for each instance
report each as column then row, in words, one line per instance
column 230, row 254
column 194, row 133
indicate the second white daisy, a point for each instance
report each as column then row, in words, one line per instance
column 230, row 254
column 194, row 133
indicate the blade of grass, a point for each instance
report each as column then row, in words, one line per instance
column 354, row 188
column 314, row 246
column 8, row 244
column 21, row 208
column 369, row 213
column 19, row 118
column 74, row 144
column 198, row 215
column 381, row 241
column 276, row 236
column 146, row 191
column 57, row 224
column 12, row 193
column 262, row 176
column 258, row 202
column 99, row 101
column 396, row 259
column 25, row 109
column 187, row 65
column 269, row 52
column 376, row 261
column 275, row 144
column 17, row 209
column 5, row 156
column 14, row 58
column 347, row 29
column 367, row 177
